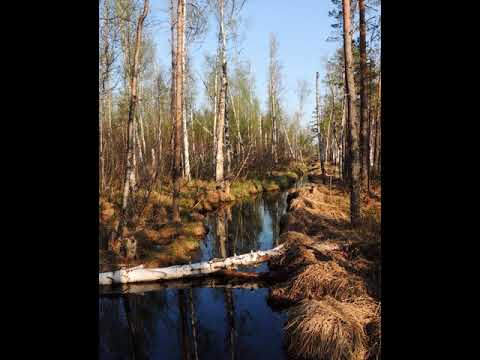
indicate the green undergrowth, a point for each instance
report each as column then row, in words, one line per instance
column 161, row 243
column 203, row 196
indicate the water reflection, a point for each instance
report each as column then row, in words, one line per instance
column 250, row 225
column 194, row 324
column 203, row 323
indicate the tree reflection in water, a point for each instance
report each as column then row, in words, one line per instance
column 203, row 323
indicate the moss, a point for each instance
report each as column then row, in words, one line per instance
column 181, row 249
column 241, row 189
column 196, row 228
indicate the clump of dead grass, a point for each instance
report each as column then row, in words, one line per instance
column 374, row 333
column 297, row 255
column 326, row 278
column 326, row 329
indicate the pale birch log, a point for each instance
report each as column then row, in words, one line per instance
column 140, row 274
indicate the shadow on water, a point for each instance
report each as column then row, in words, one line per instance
column 203, row 322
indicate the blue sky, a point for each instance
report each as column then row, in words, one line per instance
column 301, row 27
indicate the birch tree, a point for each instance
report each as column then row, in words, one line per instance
column 178, row 110
column 273, row 94
column 303, row 92
column 186, row 155
column 129, row 168
column 222, row 107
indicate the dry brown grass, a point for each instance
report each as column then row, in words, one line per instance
column 374, row 333
column 297, row 254
column 336, row 316
column 326, row 329
column 326, row 278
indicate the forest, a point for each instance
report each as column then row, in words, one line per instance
column 216, row 200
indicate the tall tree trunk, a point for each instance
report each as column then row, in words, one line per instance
column 109, row 139
column 292, row 154
column 177, row 172
column 159, row 130
column 101, row 155
column 240, row 145
column 133, row 174
column 328, row 150
column 274, row 129
column 364, row 133
column 345, row 142
column 191, row 130
column 260, row 130
column 353, row 125
column 186, row 155
column 319, row 133
column 130, row 158
column 173, row 56
column 222, row 127
column 140, row 120
column 376, row 160
column 215, row 114
column 109, row 114
column 106, row 62
column 138, row 143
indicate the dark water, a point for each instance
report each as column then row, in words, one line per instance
column 204, row 322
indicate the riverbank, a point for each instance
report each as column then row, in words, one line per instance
column 155, row 241
column 332, row 297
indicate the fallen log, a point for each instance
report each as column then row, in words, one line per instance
column 228, row 279
column 140, row 274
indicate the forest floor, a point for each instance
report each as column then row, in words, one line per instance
column 332, row 297
column 157, row 241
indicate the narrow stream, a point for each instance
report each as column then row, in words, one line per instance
column 203, row 322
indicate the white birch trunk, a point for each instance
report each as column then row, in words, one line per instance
column 215, row 89
column 138, row 143
column 219, row 165
column 186, row 155
column 288, row 141
column 260, row 127
column 140, row 274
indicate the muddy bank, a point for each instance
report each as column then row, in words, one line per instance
column 154, row 241
column 332, row 297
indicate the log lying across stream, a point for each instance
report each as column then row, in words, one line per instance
column 140, row 274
